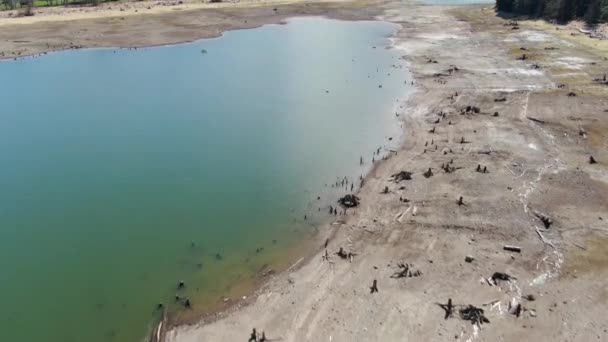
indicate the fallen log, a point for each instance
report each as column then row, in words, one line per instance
column 473, row 314
column 512, row 248
column 535, row 120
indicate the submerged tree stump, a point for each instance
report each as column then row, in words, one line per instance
column 349, row 201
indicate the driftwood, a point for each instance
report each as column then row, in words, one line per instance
column 579, row 246
column 449, row 169
column 349, row 201
column 543, row 239
column 402, row 175
column 344, row 255
column 158, row 332
column 545, row 219
column 535, row 119
column 428, row 173
column 452, row 69
column 473, row 314
column 469, row 109
column 500, row 276
column 515, row 309
column 449, row 308
column 512, row 248
column 406, row 271
column 374, row 287
column 254, row 336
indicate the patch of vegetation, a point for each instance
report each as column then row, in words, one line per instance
column 25, row 4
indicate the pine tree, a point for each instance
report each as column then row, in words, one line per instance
column 566, row 11
column 594, row 12
column 582, row 6
column 505, row 5
column 539, row 10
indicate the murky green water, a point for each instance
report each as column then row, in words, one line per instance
column 125, row 171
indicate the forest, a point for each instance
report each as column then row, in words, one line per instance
column 563, row 11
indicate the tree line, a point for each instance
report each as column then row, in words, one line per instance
column 592, row 11
column 14, row 4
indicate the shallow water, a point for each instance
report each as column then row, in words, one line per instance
column 125, row 171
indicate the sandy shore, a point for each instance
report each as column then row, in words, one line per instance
column 56, row 29
column 476, row 103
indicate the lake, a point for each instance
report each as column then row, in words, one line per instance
column 125, row 171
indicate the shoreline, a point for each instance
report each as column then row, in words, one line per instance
column 325, row 230
column 328, row 301
column 169, row 28
column 460, row 57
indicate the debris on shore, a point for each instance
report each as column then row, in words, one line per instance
column 349, row 201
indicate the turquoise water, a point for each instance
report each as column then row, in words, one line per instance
column 125, row 171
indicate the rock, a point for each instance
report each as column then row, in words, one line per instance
column 469, row 258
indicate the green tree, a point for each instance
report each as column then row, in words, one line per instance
column 505, row 5
column 582, row 6
column 594, row 12
column 527, row 6
column 539, row 10
column 566, row 11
